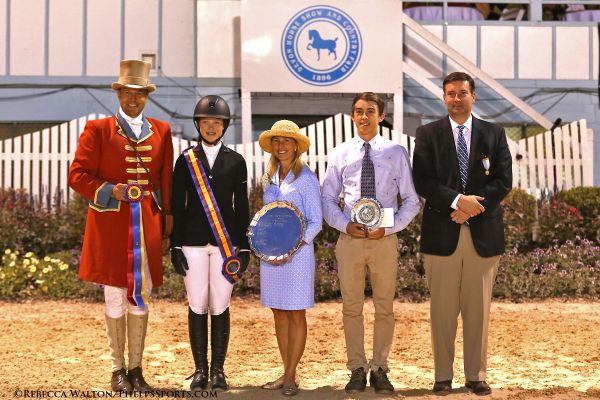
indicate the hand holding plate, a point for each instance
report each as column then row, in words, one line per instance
column 356, row 230
column 375, row 234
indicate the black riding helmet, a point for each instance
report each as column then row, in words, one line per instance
column 212, row 106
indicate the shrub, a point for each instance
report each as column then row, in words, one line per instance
column 558, row 223
column 587, row 202
column 585, row 199
column 408, row 238
column 173, row 287
column 28, row 225
column 255, row 197
column 519, row 218
column 327, row 285
column 36, row 244
column 568, row 270
column 53, row 277
column 411, row 282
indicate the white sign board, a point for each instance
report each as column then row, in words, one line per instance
column 306, row 46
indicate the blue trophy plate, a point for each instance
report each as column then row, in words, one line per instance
column 276, row 231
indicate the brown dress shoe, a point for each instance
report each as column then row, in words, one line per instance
column 442, row 388
column 137, row 380
column 119, row 381
column 480, row 388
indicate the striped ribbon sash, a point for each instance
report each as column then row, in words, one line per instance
column 136, row 250
column 231, row 269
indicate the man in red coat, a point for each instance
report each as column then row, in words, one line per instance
column 123, row 166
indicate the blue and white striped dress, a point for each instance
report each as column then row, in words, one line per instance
column 291, row 286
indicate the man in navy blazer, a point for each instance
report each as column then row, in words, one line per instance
column 462, row 168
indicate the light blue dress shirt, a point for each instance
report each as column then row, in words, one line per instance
column 393, row 176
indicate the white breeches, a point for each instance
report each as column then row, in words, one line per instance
column 206, row 287
column 115, row 298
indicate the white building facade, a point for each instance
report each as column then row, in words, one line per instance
column 58, row 58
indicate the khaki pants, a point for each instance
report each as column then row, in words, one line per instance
column 460, row 284
column 354, row 256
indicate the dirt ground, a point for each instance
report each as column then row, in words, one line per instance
column 548, row 350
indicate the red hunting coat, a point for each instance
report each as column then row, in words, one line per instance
column 104, row 158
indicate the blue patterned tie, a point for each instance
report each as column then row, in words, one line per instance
column 463, row 157
column 367, row 175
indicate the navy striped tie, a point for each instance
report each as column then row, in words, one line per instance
column 463, row 157
column 367, row 175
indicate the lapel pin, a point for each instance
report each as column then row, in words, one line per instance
column 486, row 164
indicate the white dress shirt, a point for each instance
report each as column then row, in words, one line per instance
column 467, row 135
column 211, row 152
column 134, row 123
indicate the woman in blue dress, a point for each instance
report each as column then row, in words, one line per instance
column 287, row 286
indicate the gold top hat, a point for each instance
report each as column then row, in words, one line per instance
column 284, row 128
column 134, row 74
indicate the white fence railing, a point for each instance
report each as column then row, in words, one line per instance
column 557, row 160
column 39, row 162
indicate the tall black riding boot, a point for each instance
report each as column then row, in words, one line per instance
column 198, row 329
column 219, row 340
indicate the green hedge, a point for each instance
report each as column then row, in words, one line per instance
column 29, row 225
column 570, row 270
column 40, row 251
column 586, row 202
column 585, row 199
column 519, row 217
column 54, row 276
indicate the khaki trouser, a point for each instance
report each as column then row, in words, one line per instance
column 380, row 257
column 460, row 284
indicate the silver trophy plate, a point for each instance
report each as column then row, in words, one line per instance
column 368, row 212
column 276, row 231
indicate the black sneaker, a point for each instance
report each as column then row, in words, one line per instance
column 358, row 381
column 380, row 382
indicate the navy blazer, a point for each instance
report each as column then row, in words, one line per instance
column 228, row 181
column 437, row 179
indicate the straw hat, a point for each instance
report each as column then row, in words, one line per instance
column 134, row 74
column 284, row 128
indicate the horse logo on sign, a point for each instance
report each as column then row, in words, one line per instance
column 317, row 43
column 321, row 45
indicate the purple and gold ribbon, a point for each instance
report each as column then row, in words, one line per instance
column 231, row 263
